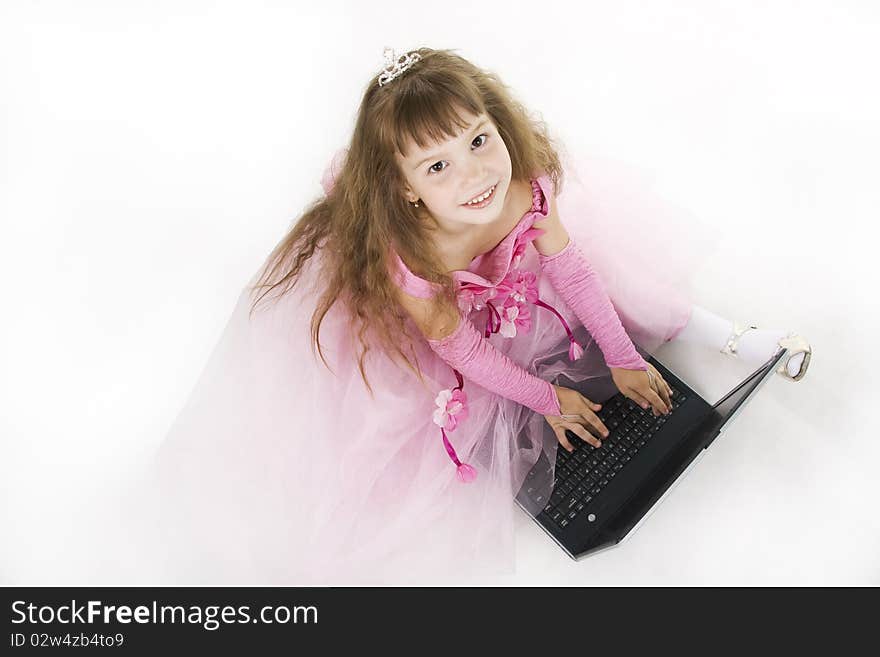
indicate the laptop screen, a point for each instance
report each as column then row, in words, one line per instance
column 728, row 406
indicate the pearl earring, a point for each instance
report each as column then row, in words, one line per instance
column 416, row 204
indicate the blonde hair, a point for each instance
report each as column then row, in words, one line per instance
column 366, row 210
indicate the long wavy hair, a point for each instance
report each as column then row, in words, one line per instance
column 366, row 210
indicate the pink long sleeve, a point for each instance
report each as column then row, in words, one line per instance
column 579, row 285
column 478, row 360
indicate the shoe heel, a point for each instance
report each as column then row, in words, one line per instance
column 795, row 344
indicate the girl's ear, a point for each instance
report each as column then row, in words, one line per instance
column 409, row 194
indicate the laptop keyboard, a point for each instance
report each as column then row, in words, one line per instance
column 582, row 474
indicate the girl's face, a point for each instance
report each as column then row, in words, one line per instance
column 444, row 176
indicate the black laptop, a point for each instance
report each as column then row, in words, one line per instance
column 595, row 498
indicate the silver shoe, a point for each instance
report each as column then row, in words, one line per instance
column 733, row 340
column 795, row 344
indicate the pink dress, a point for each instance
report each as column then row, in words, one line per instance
column 278, row 471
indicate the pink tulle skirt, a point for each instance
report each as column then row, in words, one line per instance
column 278, row 471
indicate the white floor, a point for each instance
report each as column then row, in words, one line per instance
column 140, row 188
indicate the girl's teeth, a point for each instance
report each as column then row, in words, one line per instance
column 483, row 197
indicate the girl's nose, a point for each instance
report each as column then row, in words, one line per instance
column 476, row 175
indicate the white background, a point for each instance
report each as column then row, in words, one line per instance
column 152, row 153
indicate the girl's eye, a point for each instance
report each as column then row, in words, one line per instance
column 431, row 169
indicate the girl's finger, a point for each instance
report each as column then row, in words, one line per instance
column 589, row 414
column 559, row 430
column 666, row 396
column 584, row 435
column 591, row 421
column 655, row 401
column 593, row 406
column 585, row 420
column 663, row 388
column 637, row 397
column 647, row 399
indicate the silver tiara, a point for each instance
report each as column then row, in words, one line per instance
column 396, row 64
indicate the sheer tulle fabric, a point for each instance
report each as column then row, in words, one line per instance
column 278, row 471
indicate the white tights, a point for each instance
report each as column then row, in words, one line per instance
column 755, row 345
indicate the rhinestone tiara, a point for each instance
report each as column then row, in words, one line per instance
column 396, row 64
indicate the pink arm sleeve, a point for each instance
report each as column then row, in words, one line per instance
column 581, row 288
column 478, row 360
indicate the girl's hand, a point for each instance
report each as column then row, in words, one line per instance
column 578, row 415
column 644, row 388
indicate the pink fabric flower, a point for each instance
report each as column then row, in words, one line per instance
column 466, row 473
column 513, row 316
column 465, row 300
column 522, row 286
column 451, row 408
column 474, row 297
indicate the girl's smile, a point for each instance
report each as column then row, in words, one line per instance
column 485, row 199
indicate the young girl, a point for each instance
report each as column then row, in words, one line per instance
column 393, row 371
